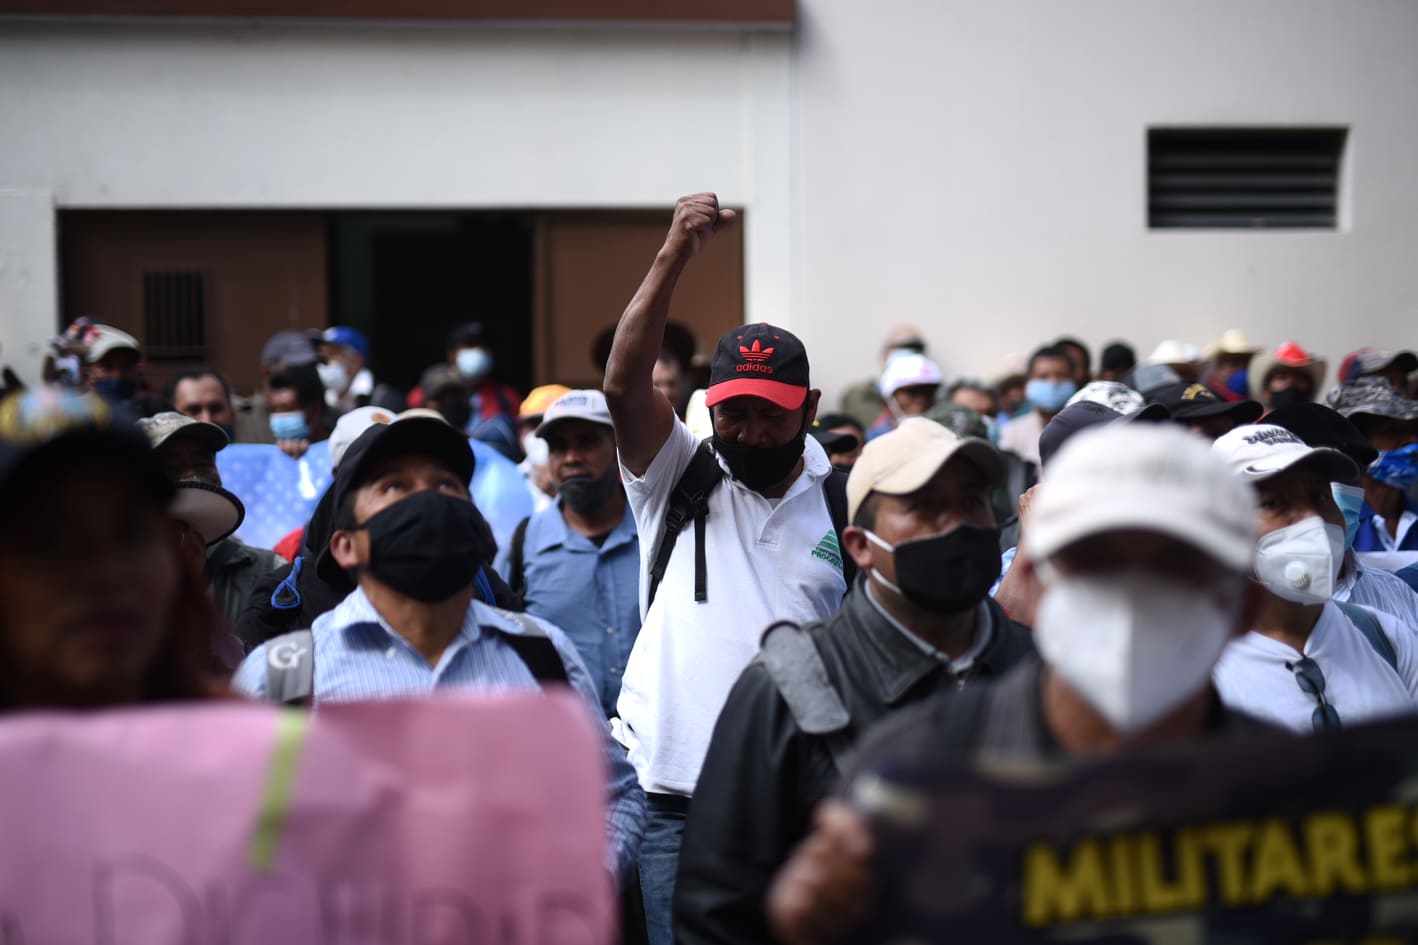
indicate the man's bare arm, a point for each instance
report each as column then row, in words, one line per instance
column 642, row 417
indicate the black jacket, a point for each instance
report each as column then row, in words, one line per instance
column 762, row 776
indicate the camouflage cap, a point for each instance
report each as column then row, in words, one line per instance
column 164, row 426
column 1373, row 396
column 959, row 419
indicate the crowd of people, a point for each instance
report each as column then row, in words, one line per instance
column 757, row 598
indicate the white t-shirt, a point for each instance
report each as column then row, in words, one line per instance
column 1252, row 677
column 764, row 561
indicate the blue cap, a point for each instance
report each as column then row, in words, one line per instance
column 342, row 335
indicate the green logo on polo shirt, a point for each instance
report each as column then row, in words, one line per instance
column 828, row 550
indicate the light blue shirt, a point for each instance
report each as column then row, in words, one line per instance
column 358, row 656
column 592, row 594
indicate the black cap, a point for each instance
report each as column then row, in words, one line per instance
column 1189, row 401
column 834, row 442
column 50, row 428
column 1319, row 425
column 412, row 436
column 1078, row 417
column 759, row 360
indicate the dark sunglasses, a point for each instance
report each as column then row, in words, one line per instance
column 1311, row 680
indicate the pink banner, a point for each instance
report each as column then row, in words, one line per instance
column 452, row 820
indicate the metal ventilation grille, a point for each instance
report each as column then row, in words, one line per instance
column 1243, row 179
column 175, row 316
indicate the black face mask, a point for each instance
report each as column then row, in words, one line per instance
column 1288, row 397
column 429, row 546
column 759, row 467
column 947, row 573
column 586, row 496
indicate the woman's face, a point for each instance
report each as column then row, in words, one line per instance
column 89, row 572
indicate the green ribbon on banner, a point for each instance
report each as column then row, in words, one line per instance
column 292, row 726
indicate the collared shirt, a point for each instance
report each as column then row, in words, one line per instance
column 766, row 561
column 1378, row 589
column 959, row 665
column 592, row 593
column 359, row 656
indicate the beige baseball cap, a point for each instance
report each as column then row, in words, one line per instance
column 1149, row 477
column 904, row 460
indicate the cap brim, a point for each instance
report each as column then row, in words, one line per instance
column 787, row 396
column 209, row 433
column 1335, row 465
column 209, row 509
column 835, row 442
column 546, row 425
column 1139, row 511
column 1242, row 411
column 1149, row 413
column 918, row 470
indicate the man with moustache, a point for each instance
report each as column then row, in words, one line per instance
column 576, row 563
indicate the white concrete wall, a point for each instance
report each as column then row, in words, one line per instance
column 144, row 115
column 975, row 167
column 979, row 168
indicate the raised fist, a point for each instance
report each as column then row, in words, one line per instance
column 697, row 219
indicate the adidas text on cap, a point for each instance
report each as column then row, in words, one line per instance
column 759, row 360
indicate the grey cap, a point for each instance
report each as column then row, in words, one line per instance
column 289, row 348
column 1373, row 396
column 164, row 426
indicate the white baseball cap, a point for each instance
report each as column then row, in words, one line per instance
column 1259, row 450
column 350, row 426
column 588, row 405
column 1149, row 477
column 909, row 370
column 106, row 338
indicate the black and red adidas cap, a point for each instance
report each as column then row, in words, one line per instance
column 759, row 360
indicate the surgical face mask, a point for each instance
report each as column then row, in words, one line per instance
column 116, row 389
column 1397, row 468
column 947, row 573
column 334, row 376
column 1350, row 500
column 290, row 425
column 535, row 449
column 474, row 363
column 1049, row 396
column 1301, row 562
column 1136, row 645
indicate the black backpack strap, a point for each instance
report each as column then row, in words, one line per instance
column 797, row 670
column 516, row 563
column 290, row 668
column 688, row 502
column 834, row 489
column 1368, row 625
column 535, row 648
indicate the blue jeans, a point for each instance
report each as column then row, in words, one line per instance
column 659, row 858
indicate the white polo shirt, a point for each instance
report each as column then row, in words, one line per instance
column 1359, row 683
column 765, row 560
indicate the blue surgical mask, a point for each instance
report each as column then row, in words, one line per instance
column 1049, row 396
column 1350, row 500
column 116, row 389
column 1239, row 383
column 474, row 363
column 290, row 425
column 1397, row 468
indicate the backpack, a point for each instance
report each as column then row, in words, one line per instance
column 1368, row 625
column 690, row 502
column 290, row 660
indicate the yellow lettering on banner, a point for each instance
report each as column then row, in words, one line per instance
column 1191, row 870
column 1333, row 845
column 1053, row 893
column 1229, row 843
column 1157, row 896
column 1120, row 864
column 1383, row 831
column 1277, row 866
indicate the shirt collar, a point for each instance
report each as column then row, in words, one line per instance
column 557, row 532
column 984, row 632
column 356, row 613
